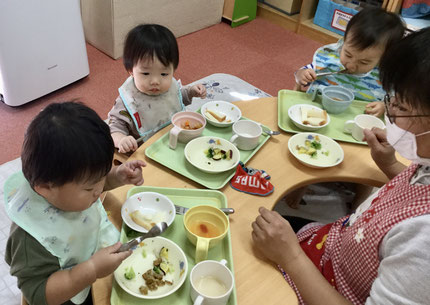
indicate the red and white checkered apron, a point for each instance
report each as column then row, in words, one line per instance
column 348, row 255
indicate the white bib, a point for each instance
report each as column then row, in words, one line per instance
column 73, row 237
column 150, row 113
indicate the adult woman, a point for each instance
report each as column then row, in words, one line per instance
column 378, row 254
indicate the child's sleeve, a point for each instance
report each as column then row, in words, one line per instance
column 308, row 66
column 119, row 119
column 185, row 91
column 31, row 263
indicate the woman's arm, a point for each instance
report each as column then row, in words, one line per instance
column 313, row 287
column 275, row 238
column 404, row 267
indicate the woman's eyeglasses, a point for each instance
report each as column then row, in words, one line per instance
column 392, row 118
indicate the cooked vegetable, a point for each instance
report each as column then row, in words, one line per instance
column 129, row 273
column 316, row 145
column 311, row 147
column 164, row 266
column 218, row 154
column 164, row 253
column 157, row 270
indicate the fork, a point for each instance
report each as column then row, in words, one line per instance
column 180, row 210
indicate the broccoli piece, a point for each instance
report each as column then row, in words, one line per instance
column 129, row 273
column 157, row 270
column 316, row 145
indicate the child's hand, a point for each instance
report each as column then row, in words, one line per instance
column 130, row 172
column 105, row 261
column 305, row 76
column 127, row 144
column 375, row 108
column 198, row 91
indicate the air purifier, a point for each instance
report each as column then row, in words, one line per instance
column 42, row 48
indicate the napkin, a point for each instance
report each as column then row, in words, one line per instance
column 252, row 181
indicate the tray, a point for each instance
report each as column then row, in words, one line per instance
column 176, row 232
column 334, row 130
column 175, row 159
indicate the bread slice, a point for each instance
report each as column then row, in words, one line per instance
column 210, row 116
column 314, row 122
column 142, row 220
column 217, row 115
column 304, row 112
column 313, row 117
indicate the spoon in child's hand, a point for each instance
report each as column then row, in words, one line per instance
column 156, row 230
column 332, row 72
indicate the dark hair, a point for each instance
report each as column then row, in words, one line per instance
column 147, row 40
column 405, row 69
column 66, row 142
column 372, row 26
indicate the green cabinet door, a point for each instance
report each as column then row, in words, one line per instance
column 244, row 11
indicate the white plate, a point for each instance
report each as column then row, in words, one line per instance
column 152, row 205
column 295, row 114
column 195, row 154
column 334, row 157
column 232, row 112
column 151, row 248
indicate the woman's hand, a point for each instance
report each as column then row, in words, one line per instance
column 198, row 91
column 127, row 173
column 305, row 76
column 127, row 144
column 130, row 172
column 382, row 152
column 375, row 108
column 275, row 238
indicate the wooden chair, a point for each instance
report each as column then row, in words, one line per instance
column 23, row 300
column 392, row 5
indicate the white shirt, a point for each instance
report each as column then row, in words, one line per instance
column 404, row 254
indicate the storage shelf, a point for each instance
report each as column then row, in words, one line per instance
column 303, row 22
column 294, row 23
column 310, row 29
column 290, row 22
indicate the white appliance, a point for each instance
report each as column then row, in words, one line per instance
column 42, row 48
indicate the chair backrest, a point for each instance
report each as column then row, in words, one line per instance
column 23, row 300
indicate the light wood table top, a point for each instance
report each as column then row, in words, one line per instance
column 258, row 281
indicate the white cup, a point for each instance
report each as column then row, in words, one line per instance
column 246, row 134
column 362, row 121
column 211, row 283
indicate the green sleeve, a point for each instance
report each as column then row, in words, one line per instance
column 31, row 263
